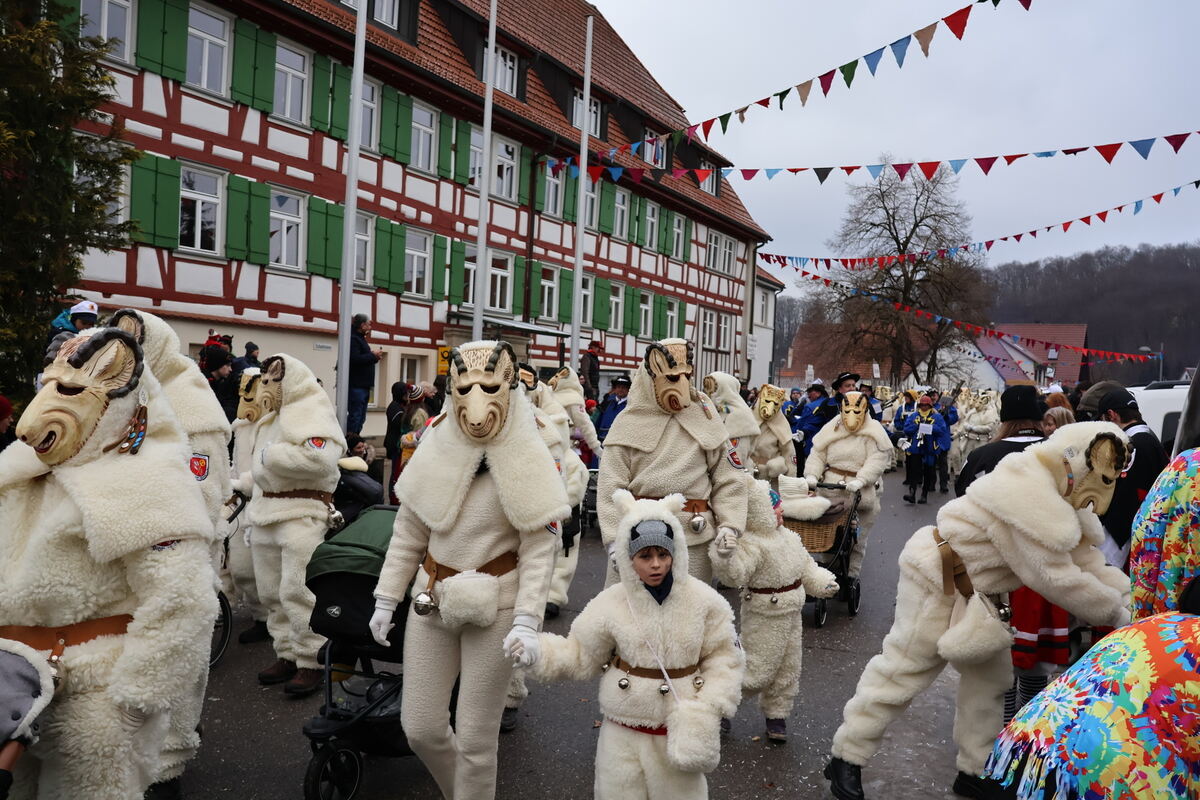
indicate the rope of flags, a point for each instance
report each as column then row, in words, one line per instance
column 882, row 262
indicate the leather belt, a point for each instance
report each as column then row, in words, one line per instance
column 302, row 494
column 652, row 672
column 691, row 506
column 954, row 571
column 659, row 731
column 500, row 565
column 58, row 639
column 780, row 590
column 845, row 473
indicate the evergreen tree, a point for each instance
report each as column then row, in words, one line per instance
column 61, row 162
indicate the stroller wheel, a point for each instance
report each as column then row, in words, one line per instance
column 854, row 597
column 222, row 630
column 334, row 773
column 820, row 612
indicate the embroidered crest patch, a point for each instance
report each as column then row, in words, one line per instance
column 165, row 545
column 552, row 527
column 735, row 459
column 317, row 443
column 199, row 466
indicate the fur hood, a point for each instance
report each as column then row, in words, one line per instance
column 643, row 421
column 777, row 429
column 306, row 411
column 552, row 411
column 568, row 391
column 531, row 491
column 836, row 431
column 634, row 511
column 739, row 419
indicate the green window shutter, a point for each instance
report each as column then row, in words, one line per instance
column 535, row 290
column 687, row 240
column 682, row 309
column 524, row 157
column 570, row 196
column 608, row 203
column 245, row 57
column 175, row 28
column 322, row 79
column 389, row 107
column 462, row 152
column 382, row 263
column 264, row 72
column 630, row 304
column 445, row 157
column 518, row 295
column 539, row 193
column 333, row 240
column 566, row 287
column 458, row 261
column 166, row 204
column 259, row 225
column 437, row 274
column 601, row 293
column 318, row 221
column 149, row 45
column 635, row 205
column 143, row 182
column 404, row 129
column 399, row 244
column 641, row 225
column 666, row 224
column 659, row 317
column 237, row 218
column 339, row 109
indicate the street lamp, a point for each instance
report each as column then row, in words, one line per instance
column 1159, row 353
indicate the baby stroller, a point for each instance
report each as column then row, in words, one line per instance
column 26, row 688
column 829, row 539
column 361, row 713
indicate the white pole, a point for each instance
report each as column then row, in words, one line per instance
column 349, row 223
column 581, row 200
column 484, row 183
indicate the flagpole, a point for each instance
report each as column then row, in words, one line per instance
column 581, row 199
column 483, row 264
column 350, row 218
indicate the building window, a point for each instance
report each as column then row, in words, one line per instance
column 621, row 214
column 585, row 290
column 549, row 289
column 388, row 12
column 291, row 77
column 362, row 248
column 424, row 137
column 591, row 204
column 476, row 164
column 593, row 113
column 645, row 315
column 708, row 329
column 651, row 225
column 677, row 237
column 709, row 184
column 418, row 247
column 285, row 229
column 500, row 282
column 712, row 254
column 616, row 308
column 370, row 113
column 724, row 331
column 554, row 194
column 108, row 19
column 505, row 78
column 672, row 316
column 716, row 339
column 468, row 275
column 410, row 369
column 505, row 185
column 199, row 210
column 728, row 255
column 764, row 306
column 208, row 42
column 654, row 150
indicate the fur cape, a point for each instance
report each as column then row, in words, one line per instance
column 740, row 421
column 642, row 423
column 774, row 452
column 569, row 393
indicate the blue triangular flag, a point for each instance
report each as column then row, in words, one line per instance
column 872, row 59
column 804, row 261
column 957, row 164
column 1143, row 147
column 612, row 153
column 551, row 163
column 875, row 170
column 633, row 148
column 936, row 318
column 1176, row 190
column 854, row 291
column 899, row 48
column 726, row 172
column 771, row 173
column 1137, row 207
column 615, row 173
column 573, row 171
column 1046, row 154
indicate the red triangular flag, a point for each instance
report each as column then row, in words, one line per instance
column 635, row 174
column 1033, row 234
column 1025, row 3
column 796, row 170
column 706, row 126
column 1018, row 237
column 1120, row 208
column 1086, row 220
column 1158, row 197
column 1102, row 216
column 957, row 22
column 1176, row 140
column 849, row 170
column 747, row 174
column 595, row 172
column 827, row 81
column 1109, row 150
column 1010, row 159
column 930, row 168
column 988, row 244
column 985, row 164
column 1067, row 226
column 765, row 102
column 702, row 174
column 902, row 169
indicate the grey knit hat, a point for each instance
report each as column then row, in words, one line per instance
column 651, row 533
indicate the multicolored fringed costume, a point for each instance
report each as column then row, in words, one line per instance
column 1123, row 722
column 1165, row 553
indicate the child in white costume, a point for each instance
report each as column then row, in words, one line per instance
column 475, row 527
column 660, row 733
column 774, row 454
column 772, row 571
column 295, row 471
column 104, row 543
column 1029, row 522
column 740, row 423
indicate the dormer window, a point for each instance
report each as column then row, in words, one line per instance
column 593, row 113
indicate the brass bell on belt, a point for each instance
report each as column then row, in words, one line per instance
column 664, row 689
column 424, row 604
column 623, row 683
column 604, row 667
column 698, row 522
column 1004, row 612
column 774, row 599
column 698, row 681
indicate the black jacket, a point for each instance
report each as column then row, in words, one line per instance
column 984, row 458
column 362, row 362
column 226, row 390
column 1149, row 459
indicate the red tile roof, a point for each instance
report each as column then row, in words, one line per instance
column 818, row 343
column 1037, row 337
column 769, row 279
column 1006, row 367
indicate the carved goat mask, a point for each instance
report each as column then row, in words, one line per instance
column 528, row 376
column 251, row 399
column 1106, row 458
column 562, row 373
column 770, row 400
column 87, row 373
column 669, row 364
column 482, row 377
column 854, row 410
column 269, row 394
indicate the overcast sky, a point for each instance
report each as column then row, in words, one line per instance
column 1067, row 73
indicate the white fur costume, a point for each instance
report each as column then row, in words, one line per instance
column 692, row 627
column 103, row 534
column 654, row 453
column 296, row 449
column 865, row 454
column 976, row 428
column 740, row 423
column 1013, row 528
column 568, row 393
column 774, row 452
column 463, row 518
column 769, row 556
column 239, row 562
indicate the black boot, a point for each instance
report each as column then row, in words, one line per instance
column 255, row 633
column 924, row 497
column 845, row 780
column 508, row 720
column 552, row 610
column 911, row 497
column 979, row 788
column 165, row 790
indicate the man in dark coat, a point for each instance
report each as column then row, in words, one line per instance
column 589, row 370
column 242, row 363
column 1149, row 458
column 362, row 372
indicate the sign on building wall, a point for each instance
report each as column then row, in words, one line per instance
column 875, row 370
column 443, row 361
column 809, row 374
column 752, row 346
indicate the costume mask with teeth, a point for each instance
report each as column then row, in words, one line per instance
column 1087, row 472
column 854, row 410
column 253, row 403
column 669, row 364
column 482, row 377
column 770, row 400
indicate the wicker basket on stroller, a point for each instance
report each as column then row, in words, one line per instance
column 820, row 535
column 831, row 537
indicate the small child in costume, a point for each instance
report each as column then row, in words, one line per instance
column 773, row 571
column 664, row 646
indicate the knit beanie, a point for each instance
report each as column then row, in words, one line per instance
column 651, row 533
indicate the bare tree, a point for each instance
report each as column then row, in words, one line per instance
column 891, row 216
column 788, row 316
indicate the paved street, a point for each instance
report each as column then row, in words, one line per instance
column 254, row 749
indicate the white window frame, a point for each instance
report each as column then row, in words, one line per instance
column 218, row 201
column 411, row 255
column 500, row 282
column 672, row 315
column 585, row 291
column 712, row 253
column 286, row 219
column 645, row 315
column 364, row 241
column 207, row 39
column 709, row 184
column 652, row 220
column 763, row 306
column 678, row 232
column 370, row 115
column 548, row 288
column 475, row 164
column 621, row 207
column 101, row 25
column 381, row 16
column 654, row 150
column 507, row 73
column 292, row 74
column 591, row 201
column 553, row 198
column 728, row 255
column 470, row 258
column 419, row 130
column 593, row 113
column 411, row 368
column 507, row 175
column 708, row 328
column 616, row 307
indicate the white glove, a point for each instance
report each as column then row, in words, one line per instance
column 854, row 485
column 903, row 443
column 812, row 480
column 381, row 621
column 132, row 719
column 727, row 539
column 522, row 644
column 798, row 436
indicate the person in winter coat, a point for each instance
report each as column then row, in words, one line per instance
column 475, row 528
column 1030, row 522
column 928, row 437
column 1148, row 460
column 670, row 440
column 253, row 406
column 664, row 647
column 295, row 470
column 361, row 372
column 854, row 450
column 614, row 403
column 78, row 317
column 247, row 361
column 105, row 563
column 948, row 411
column 569, row 393
column 741, row 425
column 774, row 453
column 773, row 571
